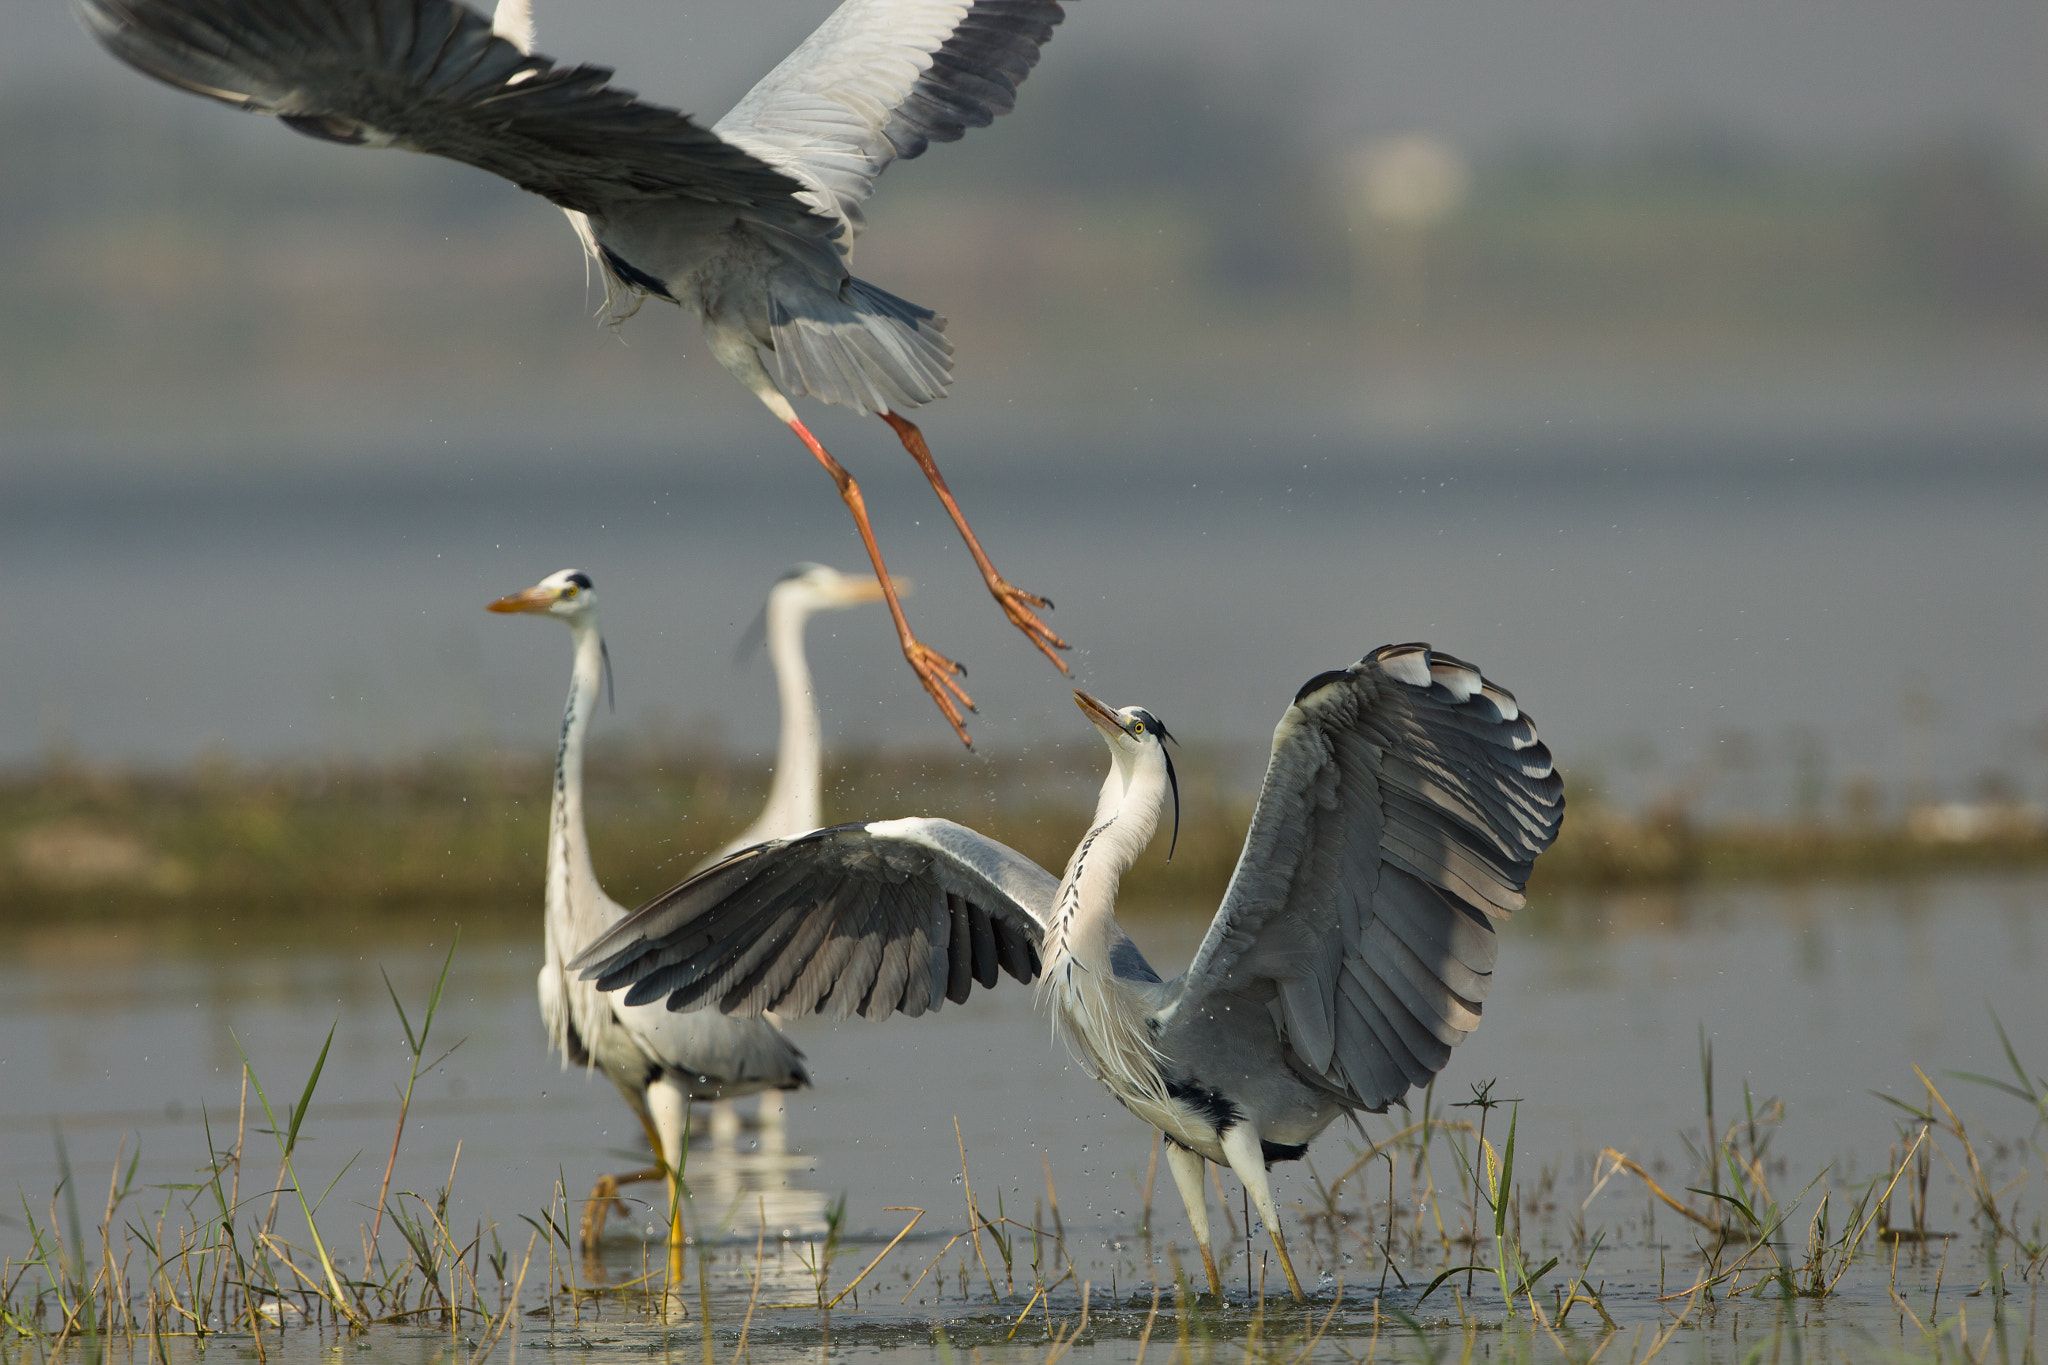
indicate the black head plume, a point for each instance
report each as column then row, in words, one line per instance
column 756, row 635
column 604, row 654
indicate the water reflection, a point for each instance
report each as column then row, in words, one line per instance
column 1816, row 995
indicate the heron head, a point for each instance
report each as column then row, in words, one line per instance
column 1134, row 736
column 819, row 587
column 567, row 594
column 806, row 589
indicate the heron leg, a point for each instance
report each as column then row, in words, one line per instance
column 670, row 1108
column 1015, row 602
column 933, row 669
column 1187, row 1177
column 1248, row 1159
column 604, row 1195
column 604, row 1199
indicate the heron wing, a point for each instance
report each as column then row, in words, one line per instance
column 862, row 919
column 1404, row 806
column 430, row 76
column 882, row 79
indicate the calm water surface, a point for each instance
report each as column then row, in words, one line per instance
column 1817, row 995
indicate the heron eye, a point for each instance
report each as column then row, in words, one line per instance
column 1137, row 727
column 570, row 591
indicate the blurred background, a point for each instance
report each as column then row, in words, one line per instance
column 1684, row 367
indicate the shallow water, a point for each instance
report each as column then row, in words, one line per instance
column 1816, row 995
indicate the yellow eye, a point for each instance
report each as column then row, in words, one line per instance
column 570, row 591
column 1137, row 727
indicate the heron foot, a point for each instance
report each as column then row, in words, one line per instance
column 937, row 673
column 1018, row 605
column 604, row 1199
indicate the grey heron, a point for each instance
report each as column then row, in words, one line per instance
column 749, row 223
column 1404, row 805
column 794, row 792
column 659, row 1060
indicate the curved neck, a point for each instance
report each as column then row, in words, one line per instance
column 1102, row 1017
column 1084, row 909
column 795, row 804
column 572, row 880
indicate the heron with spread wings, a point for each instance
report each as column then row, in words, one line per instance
column 1404, row 806
column 749, row 223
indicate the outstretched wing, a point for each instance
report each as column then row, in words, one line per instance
column 858, row 919
column 882, row 79
column 430, row 76
column 1404, row 806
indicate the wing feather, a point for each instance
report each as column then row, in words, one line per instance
column 883, row 79
column 1404, row 806
column 870, row 919
column 430, row 76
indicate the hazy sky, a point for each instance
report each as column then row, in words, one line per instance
column 1837, row 74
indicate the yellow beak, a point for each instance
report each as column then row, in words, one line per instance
column 1101, row 716
column 532, row 601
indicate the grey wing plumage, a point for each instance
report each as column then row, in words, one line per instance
column 1404, row 806
column 430, row 76
column 882, row 79
column 872, row 919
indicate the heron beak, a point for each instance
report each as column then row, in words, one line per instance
column 1101, row 716
column 854, row 591
column 531, row 602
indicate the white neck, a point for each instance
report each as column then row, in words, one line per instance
column 795, row 804
column 575, row 902
column 1103, row 1017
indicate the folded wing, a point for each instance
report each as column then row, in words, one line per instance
column 869, row 919
column 1404, row 806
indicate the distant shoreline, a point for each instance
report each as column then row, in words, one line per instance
column 466, row 834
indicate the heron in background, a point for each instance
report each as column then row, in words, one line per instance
column 1404, row 806
column 795, row 791
column 659, row 1060
column 749, row 224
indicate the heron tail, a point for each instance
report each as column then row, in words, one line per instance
column 861, row 348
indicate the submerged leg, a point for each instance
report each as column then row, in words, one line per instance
column 1241, row 1145
column 670, row 1108
column 1187, row 1176
column 604, row 1195
column 1015, row 602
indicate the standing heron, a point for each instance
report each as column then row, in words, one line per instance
column 749, row 223
column 1404, row 805
column 794, row 793
column 659, row 1060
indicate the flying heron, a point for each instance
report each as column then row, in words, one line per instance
column 749, row 223
column 1404, row 805
column 659, row 1060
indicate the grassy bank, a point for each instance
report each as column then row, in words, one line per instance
column 467, row 833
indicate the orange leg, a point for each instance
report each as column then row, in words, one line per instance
column 1015, row 602
column 933, row 669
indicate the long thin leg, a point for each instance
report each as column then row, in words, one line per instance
column 670, row 1108
column 604, row 1195
column 933, row 669
column 1015, row 602
column 1241, row 1145
column 1187, row 1177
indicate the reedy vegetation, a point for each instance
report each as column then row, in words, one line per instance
column 1433, row 1242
